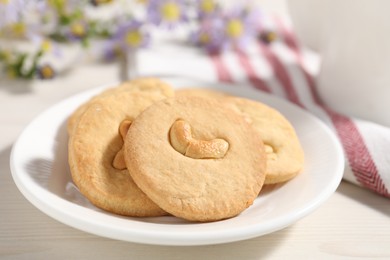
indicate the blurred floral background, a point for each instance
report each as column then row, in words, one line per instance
column 37, row 37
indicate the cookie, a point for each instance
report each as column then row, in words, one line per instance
column 200, row 92
column 195, row 158
column 147, row 85
column 94, row 154
column 285, row 156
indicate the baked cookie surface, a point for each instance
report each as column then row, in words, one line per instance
column 285, row 156
column 94, row 145
column 195, row 158
column 143, row 85
column 201, row 92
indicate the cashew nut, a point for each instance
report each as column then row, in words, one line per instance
column 119, row 159
column 182, row 141
column 270, row 152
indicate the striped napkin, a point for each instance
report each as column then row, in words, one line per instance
column 286, row 69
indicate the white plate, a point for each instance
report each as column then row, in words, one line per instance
column 40, row 169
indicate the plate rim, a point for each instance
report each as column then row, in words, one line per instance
column 174, row 238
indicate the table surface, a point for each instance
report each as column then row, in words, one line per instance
column 353, row 222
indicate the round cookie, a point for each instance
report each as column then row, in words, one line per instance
column 285, row 156
column 95, row 143
column 200, row 92
column 147, row 85
column 195, row 158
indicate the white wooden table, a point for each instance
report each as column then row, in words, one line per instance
column 353, row 223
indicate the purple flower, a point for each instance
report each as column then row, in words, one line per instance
column 166, row 12
column 22, row 19
column 267, row 36
column 45, row 45
column 11, row 11
column 45, row 72
column 207, row 8
column 77, row 30
column 129, row 36
column 210, row 34
column 235, row 27
column 241, row 26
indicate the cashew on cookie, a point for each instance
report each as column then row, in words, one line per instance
column 285, row 157
column 182, row 140
column 119, row 160
column 195, row 158
column 93, row 145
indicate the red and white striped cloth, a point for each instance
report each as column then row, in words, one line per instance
column 283, row 68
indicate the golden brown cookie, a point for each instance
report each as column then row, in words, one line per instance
column 285, row 157
column 93, row 148
column 147, row 85
column 195, row 158
column 200, row 92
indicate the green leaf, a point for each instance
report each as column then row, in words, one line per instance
column 77, row 14
column 85, row 42
column 64, row 19
column 30, row 73
column 58, row 37
column 19, row 64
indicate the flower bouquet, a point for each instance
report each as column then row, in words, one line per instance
column 41, row 38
